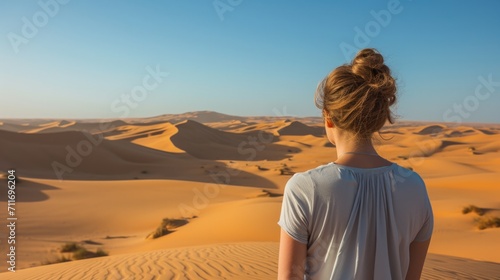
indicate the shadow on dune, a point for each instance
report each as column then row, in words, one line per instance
column 446, row 143
column 29, row 191
column 78, row 156
column 203, row 172
column 204, row 142
column 486, row 131
column 489, row 210
column 431, row 130
column 391, row 132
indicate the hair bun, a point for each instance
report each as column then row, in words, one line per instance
column 368, row 58
column 369, row 65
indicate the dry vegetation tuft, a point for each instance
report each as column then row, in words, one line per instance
column 166, row 226
column 487, row 222
column 79, row 253
column 473, row 208
column 70, row 247
column 83, row 253
column 482, row 222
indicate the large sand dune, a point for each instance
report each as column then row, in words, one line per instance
column 223, row 176
column 77, row 155
column 135, row 152
column 298, row 128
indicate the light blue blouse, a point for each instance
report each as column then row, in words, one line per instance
column 357, row 223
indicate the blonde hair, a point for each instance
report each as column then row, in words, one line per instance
column 357, row 97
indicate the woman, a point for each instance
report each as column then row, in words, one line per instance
column 362, row 216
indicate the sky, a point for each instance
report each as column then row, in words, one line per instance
column 118, row 59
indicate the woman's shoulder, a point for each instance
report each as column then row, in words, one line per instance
column 305, row 181
column 322, row 170
column 308, row 177
column 407, row 175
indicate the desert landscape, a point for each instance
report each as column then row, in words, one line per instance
column 198, row 195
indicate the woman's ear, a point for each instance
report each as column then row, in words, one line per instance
column 329, row 122
column 328, row 119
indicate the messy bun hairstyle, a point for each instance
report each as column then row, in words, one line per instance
column 357, row 96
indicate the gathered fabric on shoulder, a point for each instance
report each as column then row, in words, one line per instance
column 357, row 223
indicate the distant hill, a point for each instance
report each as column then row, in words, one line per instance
column 198, row 116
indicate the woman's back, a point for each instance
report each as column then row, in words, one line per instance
column 362, row 217
column 358, row 223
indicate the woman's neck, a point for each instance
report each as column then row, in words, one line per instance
column 348, row 144
column 358, row 153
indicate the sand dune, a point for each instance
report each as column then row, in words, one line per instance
column 222, row 261
column 298, row 128
column 446, row 267
column 14, row 126
column 235, row 221
column 269, row 127
column 431, row 130
column 231, row 126
column 226, row 261
column 488, row 131
column 225, row 175
column 91, row 127
column 66, row 152
column 77, row 155
column 204, row 142
column 156, row 136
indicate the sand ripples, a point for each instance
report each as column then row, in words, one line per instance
column 227, row 261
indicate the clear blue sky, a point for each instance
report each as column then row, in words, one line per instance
column 77, row 60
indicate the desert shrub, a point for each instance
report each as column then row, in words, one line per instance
column 79, row 253
column 101, row 253
column 286, row 171
column 266, row 193
column 70, row 247
column 158, row 232
column 83, row 253
column 466, row 210
column 262, row 168
column 58, row 260
column 487, row 222
column 166, row 226
column 473, row 208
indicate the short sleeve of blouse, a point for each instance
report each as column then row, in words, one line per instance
column 295, row 211
column 425, row 231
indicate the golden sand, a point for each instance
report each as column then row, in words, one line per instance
column 225, row 176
